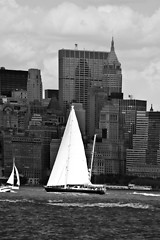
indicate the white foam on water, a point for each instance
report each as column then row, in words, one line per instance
column 146, row 194
column 16, row 200
column 101, row 205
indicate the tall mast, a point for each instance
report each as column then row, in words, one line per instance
column 69, row 145
column 94, row 141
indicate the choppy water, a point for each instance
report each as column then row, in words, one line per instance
column 32, row 213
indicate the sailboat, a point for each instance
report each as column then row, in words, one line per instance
column 70, row 172
column 11, row 184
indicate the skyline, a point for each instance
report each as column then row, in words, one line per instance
column 33, row 31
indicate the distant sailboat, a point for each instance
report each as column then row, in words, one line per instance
column 11, row 185
column 70, row 171
column 11, row 182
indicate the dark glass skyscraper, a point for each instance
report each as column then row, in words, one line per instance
column 11, row 80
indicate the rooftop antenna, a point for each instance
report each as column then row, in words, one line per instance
column 76, row 46
column 151, row 109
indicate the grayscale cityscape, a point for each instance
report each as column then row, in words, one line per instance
column 79, row 119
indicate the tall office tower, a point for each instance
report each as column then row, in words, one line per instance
column 34, row 85
column 97, row 99
column 11, row 80
column 128, row 110
column 112, row 76
column 78, row 71
column 144, row 159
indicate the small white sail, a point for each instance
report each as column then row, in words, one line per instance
column 17, row 176
column 11, row 177
column 70, row 166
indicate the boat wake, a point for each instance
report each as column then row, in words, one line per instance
column 102, row 205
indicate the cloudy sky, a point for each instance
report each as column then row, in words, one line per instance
column 32, row 32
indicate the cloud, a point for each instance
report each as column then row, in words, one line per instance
column 34, row 36
column 17, row 49
column 50, row 73
column 150, row 29
column 144, row 84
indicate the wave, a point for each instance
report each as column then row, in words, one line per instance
column 101, row 205
column 60, row 203
column 16, row 200
column 147, row 194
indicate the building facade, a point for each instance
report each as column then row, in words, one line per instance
column 34, row 85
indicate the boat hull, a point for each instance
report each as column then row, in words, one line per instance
column 5, row 189
column 75, row 190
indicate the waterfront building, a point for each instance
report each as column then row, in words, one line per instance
column 34, row 85
column 10, row 80
column 31, row 151
column 54, row 147
column 143, row 159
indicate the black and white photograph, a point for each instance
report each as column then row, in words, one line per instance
column 79, row 119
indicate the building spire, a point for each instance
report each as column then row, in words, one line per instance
column 112, row 44
column 151, row 109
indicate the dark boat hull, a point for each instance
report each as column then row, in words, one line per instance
column 75, row 190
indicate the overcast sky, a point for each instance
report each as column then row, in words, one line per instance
column 32, row 32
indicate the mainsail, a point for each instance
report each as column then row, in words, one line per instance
column 70, row 167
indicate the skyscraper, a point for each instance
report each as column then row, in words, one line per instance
column 78, row 71
column 34, row 85
column 143, row 159
column 112, row 77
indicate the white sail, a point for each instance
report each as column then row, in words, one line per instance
column 70, row 166
column 17, row 176
column 11, row 177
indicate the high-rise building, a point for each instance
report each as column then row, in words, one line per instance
column 34, row 85
column 112, row 76
column 78, row 70
column 143, row 159
column 10, row 80
column 129, row 109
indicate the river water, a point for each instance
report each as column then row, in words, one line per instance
column 32, row 213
